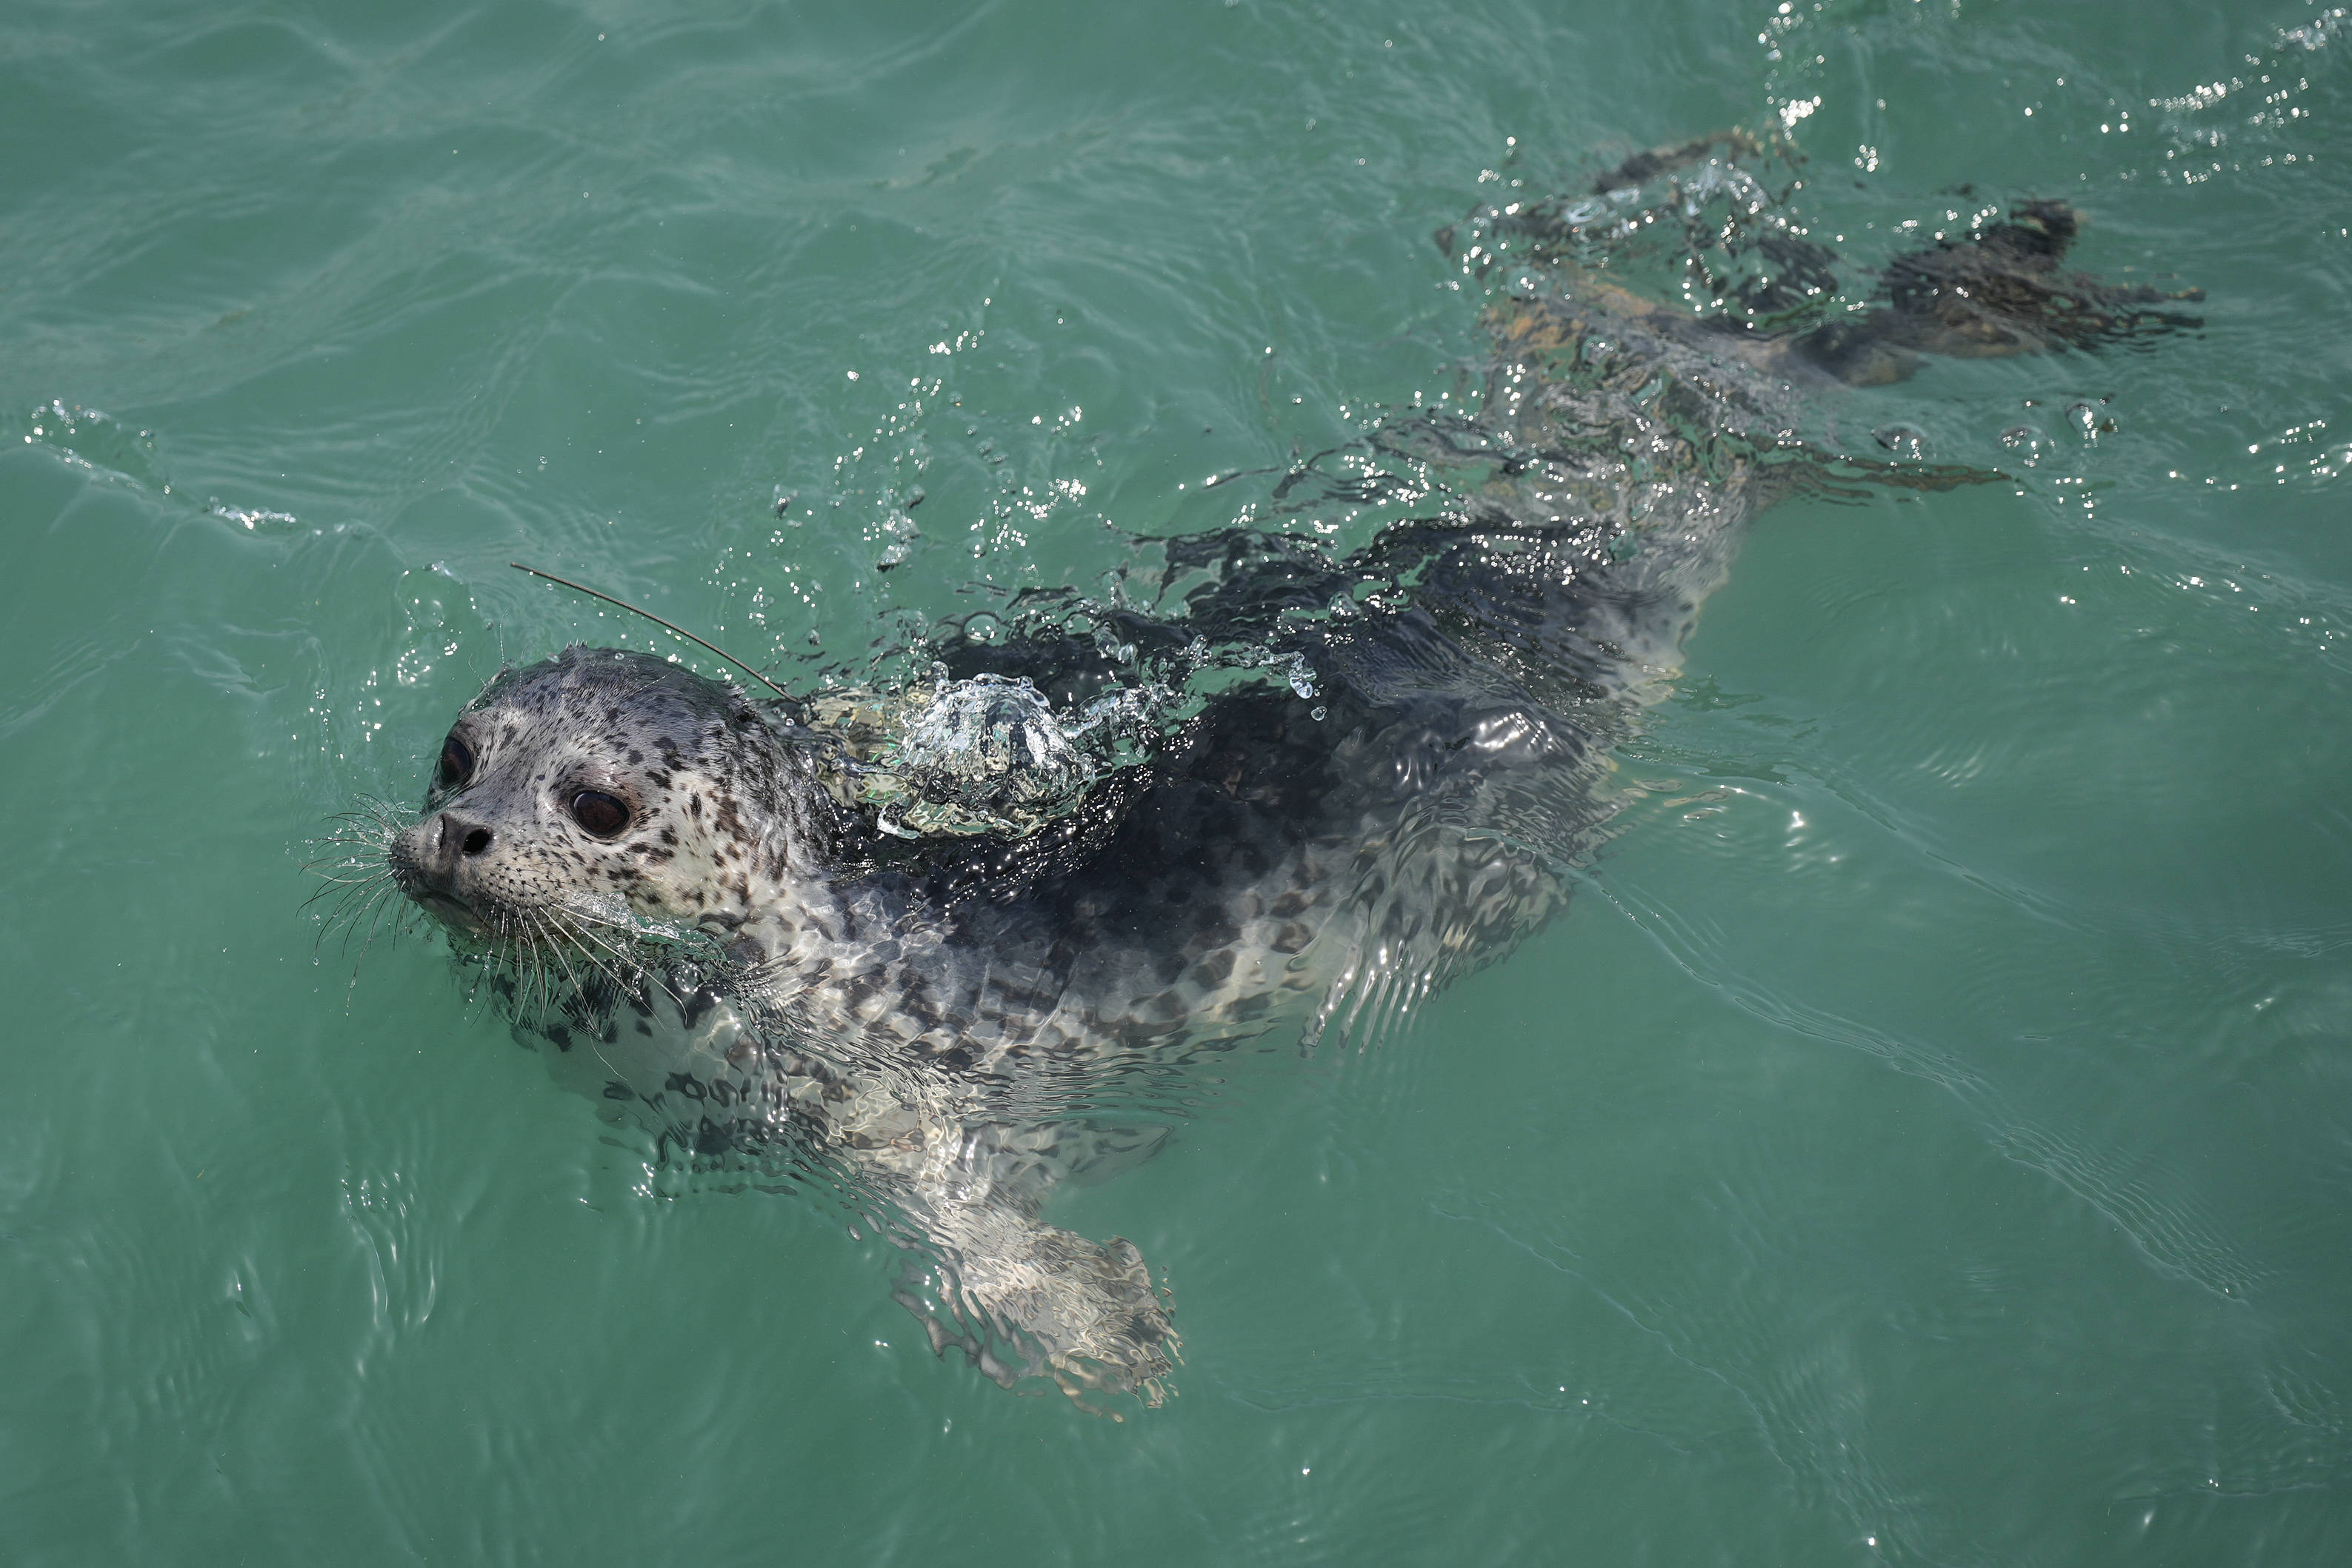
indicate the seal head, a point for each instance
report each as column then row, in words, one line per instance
column 602, row 785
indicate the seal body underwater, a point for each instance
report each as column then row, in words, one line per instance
column 712, row 911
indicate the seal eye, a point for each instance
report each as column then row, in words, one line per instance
column 457, row 763
column 602, row 814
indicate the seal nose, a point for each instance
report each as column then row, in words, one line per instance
column 432, row 861
column 459, row 837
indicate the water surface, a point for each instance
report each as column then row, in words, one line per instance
column 1926, row 1138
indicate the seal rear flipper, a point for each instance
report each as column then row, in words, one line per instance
column 2001, row 291
column 1853, row 352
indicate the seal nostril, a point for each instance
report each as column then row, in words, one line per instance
column 476, row 842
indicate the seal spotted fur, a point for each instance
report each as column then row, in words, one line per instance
column 701, row 904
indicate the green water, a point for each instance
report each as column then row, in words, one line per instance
column 1926, row 1139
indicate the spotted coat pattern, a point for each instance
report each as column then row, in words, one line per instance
column 932, row 1024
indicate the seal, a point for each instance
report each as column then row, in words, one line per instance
column 947, row 946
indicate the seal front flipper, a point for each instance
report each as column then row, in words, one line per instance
column 1019, row 1296
column 1024, row 1298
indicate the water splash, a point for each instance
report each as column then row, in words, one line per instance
column 990, row 754
column 93, row 439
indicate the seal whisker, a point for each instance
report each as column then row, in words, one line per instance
column 516, row 960
column 619, row 969
column 355, row 900
column 569, row 940
column 657, row 621
column 342, row 892
column 352, row 862
column 534, row 975
column 546, row 945
column 372, row 909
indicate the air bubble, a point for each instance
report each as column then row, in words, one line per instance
column 1902, row 440
column 2089, row 420
column 2027, row 440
